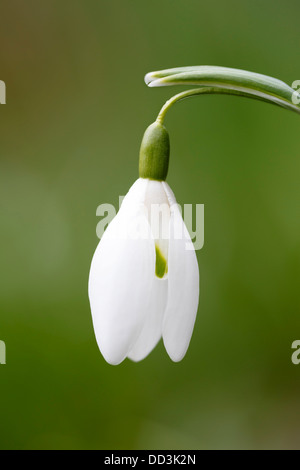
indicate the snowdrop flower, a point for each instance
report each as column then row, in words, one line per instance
column 144, row 276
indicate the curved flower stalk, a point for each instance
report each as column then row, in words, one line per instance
column 144, row 276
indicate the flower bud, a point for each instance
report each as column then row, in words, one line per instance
column 154, row 153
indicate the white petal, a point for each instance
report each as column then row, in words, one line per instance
column 136, row 195
column 183, row 289
column 156, row 193
column 121, row 276
column 152, row 330
column 169, row 193
column 158, row 208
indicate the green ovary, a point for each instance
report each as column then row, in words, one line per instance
column 161, row 266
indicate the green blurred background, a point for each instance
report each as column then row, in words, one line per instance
column 76, row 111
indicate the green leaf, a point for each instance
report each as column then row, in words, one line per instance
column 228, row 81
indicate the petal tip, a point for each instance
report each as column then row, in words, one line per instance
column 175, row 354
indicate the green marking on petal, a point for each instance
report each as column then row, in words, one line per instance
column 161, row 266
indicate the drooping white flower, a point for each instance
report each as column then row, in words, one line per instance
column 144, row 277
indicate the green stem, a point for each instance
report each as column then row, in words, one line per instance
column 181, row 96
column 218, row 91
